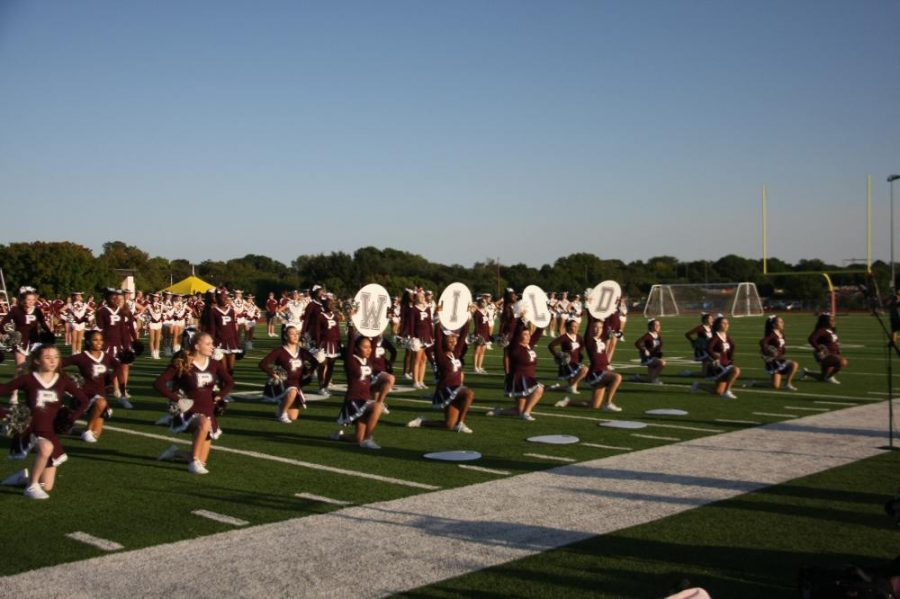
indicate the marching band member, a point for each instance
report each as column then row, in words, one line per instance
column 525, row 388
column 826, row 351
column 600, row 377
column 294, row 310
column 566, row 350
column 154, row 314
column 240, row 313
column 295, row 361
column 251, row 315
column 116, row 323
column 450, row 394
column 723, row 368
column 699, row 338
column 394, row 315
column 178, row 320
column 196, row 374
column 359, row 408
column 44, row 389
column 649, row 348
column 562, row 308
column 79, row 315
column 772, row 348
column 98, row 369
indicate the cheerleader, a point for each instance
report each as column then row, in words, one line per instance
column 116, row 323
column 196, row 374
column 394, row 315
column 219, row 322
column 566, row 350
column 178, row 320
column 98, row 369
column 482, row 334
column 407, row 330
column 79, row 315
column 826, row 351
column 45, row 388
column 600, row 377
column 450, row 395
column 554, row 316
column 326, row 335
column 313, row 307
column 524, row 387
column 612, row 332
column 29, row 321
column 722, row 368
column 649, row 348
column 271, row 311
column 153, row 316
column 423, row 338
column 359, row 408
column 382, row 363
column 772, row 349
column 251, row 315
column 562, row 308
column 296, row 362
column 699, row 338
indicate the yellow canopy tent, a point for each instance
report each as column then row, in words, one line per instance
column 190, row 285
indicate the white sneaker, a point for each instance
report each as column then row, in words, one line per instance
column 17, row 479
column 169, row 453
column 127, row 394
column 832, row 380
column 164, row 420
column 88, row 437
column 370, row 444
column 414, row 423
column 36, row 492
column 123, row 401
column 562, row 403
column 572, row 390
column 197, row 467
column 462, row 428
column 491, row 412
column 610, row 407
column 325, row 392
column 337, row 435
column 285, row 419
column 384, row 409
column 610, row 367
column 526, row 416
column 790, row 387
column 728, row 395
column 407, row 375
column 656, row 382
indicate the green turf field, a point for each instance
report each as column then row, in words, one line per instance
column 117, row 490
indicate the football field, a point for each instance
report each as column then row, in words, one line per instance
column 115, row 496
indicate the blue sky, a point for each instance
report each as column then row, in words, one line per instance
column 457, row 130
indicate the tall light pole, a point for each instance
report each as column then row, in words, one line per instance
column 891, row 180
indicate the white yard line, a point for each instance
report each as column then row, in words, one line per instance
column 282, row 460
column 835, row 403
column 643, row 436
column 600, row 446
column 544, row 456
column 104, row 544
column 220, row 518
column 775, row 415
column 322, row 499
column 483, row 469
column 730, row 421
column 801, row 408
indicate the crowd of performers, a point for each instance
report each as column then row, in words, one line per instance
column 205, row 334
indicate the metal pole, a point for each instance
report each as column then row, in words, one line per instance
column 764, row 232
column 891, row 180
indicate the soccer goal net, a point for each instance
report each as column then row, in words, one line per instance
column 731, row 299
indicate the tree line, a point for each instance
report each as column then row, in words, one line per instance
column 61, row 267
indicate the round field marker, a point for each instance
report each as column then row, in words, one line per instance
column 555, row 439
column 667, row 412
column 633, row 424
column 453, row 456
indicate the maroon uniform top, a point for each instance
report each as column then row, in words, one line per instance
column 449, row 370
column 424, row 325
column 482, row 325
column 596, row 351
column 97, row 372
column 775, row 341
column 272, row 305
column 293, row 364
column 57, row 306
column 381, row 348
column 825, row 337
column 570, row 345
column 223, row 328
column 508, row 322
column 26, row 323
column 311, row 314
column 325, row 331
column 651, row 345
column 79, row 313
column 359, row 378
column 197, row 384
column 611, row 326
column 522, row 361
column 44, row 401
column 723, row 347
column 116, row 326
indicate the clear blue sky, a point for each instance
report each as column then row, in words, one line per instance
column 457, row 130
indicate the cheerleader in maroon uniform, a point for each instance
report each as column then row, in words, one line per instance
column 772, row 349
column 826, row 351
column 612, row 332
column 326, row 335
column 600, row 378
column 28, row 320
column 295, row 363
column 271, row 311
column 566, row 350
column 524, row 386
column 98, row 369
column 649, row 348
column 450, row 394
column 482, row 334
column 197, row 375
column 44, row 388
column 359, row 407
column 251, row 315
column 723, row 368
column 178, row 320
column 116, row 323
column 154, row 314
column 699, row 338
column 220, row 323
column 423, row 338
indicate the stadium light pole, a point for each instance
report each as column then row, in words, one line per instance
column 890, row 181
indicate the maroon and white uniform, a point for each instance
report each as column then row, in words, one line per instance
column 327, row 334
column 28, row 323
column 154, row 314
column 483, row 325
column 523, row 370
column 598, row 358
column 197, row 384
column 359, row 389
column 79, row 314
column 570, row 346
column 724, row 348
column 650, row 344
column 179, row 314
column 826, row 337
column 773, row 350
column 311, row 313
column 294, row 364
column 271, row 307
column 223, row 328
column 612, row 327
column 98, row 373
column 117, row 328
column 449, row 377
column 45, row 401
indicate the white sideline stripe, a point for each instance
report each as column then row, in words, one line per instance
column 293, row 462
column 243, row 384
column 774, row 415
column 105, row 545
column 835, row 403
column 655, row 437
column 220, row 518
column 687, row 428
column 807, row 409
column 483, row 469
column 600, row 446
column 548, row 457
column 321, row 499
column 737, row 421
